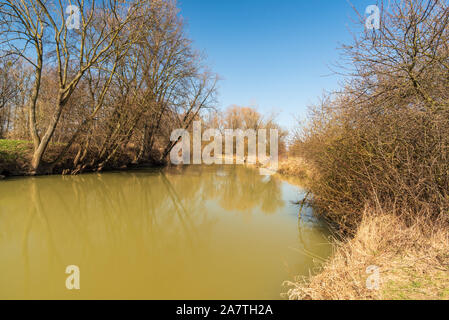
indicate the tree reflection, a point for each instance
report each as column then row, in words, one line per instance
column 156, row 224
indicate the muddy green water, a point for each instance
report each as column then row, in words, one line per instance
column 185, row 233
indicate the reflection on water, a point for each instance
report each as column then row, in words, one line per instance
column 184, row 233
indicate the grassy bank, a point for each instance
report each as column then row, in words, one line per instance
column 412, row 257
column 413, row 264
column 294, row 167
column 14, row 157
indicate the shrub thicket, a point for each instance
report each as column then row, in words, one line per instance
column 383, row 142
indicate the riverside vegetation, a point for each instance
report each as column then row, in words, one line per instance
column 378, row 157
column 107, row 94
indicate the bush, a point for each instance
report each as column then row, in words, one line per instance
column 394, row 160
column 383, row 142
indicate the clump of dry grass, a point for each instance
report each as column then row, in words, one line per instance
column 413, row 261
column 293, row 166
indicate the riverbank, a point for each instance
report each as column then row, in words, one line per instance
column 15, row 159
column 412, row 260
column 293, row 167
column 412, row 264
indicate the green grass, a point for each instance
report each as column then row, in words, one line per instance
column 416, row 286
column 11, row 150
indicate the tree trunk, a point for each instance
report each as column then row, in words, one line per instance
column 32, row 104
column 36, row 162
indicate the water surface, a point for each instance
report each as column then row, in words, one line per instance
column 184, row 233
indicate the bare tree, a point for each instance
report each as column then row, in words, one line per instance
column 401, row 59
column 108, row 91
column 7, row 90
column 35, row 29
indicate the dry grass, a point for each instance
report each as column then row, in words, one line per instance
column 413, row 263
column 293, row 166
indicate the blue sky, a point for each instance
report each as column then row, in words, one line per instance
column 276, row 54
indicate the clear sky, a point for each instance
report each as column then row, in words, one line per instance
column 276, row 54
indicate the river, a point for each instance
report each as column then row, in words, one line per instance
column 193, row 232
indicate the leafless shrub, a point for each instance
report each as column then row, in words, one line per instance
column 384, row 141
